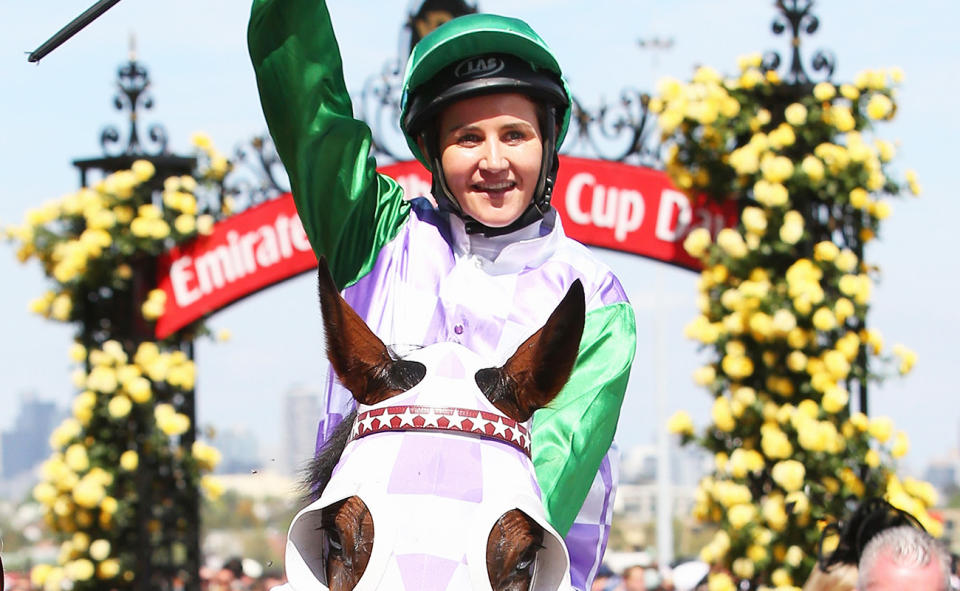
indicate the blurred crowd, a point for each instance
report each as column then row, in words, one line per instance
column 876, row 548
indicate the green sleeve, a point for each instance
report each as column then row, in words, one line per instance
column 349, row 211
column 574, row 432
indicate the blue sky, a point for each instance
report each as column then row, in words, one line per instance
column 53, row 113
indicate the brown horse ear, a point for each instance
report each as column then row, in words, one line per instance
column 359, row 358
column 536, row 373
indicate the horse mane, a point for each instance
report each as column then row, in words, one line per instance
column 318, row 471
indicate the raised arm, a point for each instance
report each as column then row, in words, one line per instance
column 348, row 210
column 575, row 431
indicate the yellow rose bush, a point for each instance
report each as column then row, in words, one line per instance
column 783, row 302
column 124, row 465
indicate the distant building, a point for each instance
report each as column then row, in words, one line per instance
column 638, row 464
column 638, row 502
column 301, row 412
column 240, row 450
column 27, row 443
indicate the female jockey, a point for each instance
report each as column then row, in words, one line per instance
column 484, row 109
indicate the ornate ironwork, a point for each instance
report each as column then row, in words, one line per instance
column 379, row 107
column 797, row 16
column 257, row 174
column 621, row 131
column 133, row 81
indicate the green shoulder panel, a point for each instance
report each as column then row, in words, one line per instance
column 349, row 211
column 574, row 432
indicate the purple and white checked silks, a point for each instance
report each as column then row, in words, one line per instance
column 436, row 283
column 434, row 495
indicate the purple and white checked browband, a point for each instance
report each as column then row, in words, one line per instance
column 432, row 418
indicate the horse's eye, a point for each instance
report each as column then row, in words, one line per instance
column 333, row 540
column 526, row 561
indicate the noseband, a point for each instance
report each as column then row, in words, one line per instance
column 445, row 419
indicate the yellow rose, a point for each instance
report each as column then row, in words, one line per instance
column 76, row 458
column 741, row 515
column 185, row 223
column 88, row 493
column 78, row 353
column 129, row 460
column 924, row 491
column 108, row 569
column 859, row 198
column 881, row 428
column 776, row 169
column 680, row 423
column 79, row 570
column 782, row 136
column 835, row 399
column 732, row 243
column 789, row 474
column 152, row 309
column 901, row 444
column 813, row 168
column 770, row 194
column 119, row 406
column 824, row 91
column 211, row 486
column 907, row 357
column 774, row 443
column 841, row 118
column 879, row 106
column 792, row 229
column 825, row 251
column 722, row 414
column 39, row 573
column 872, row 458
column 796, row 361
column 205, row 224
column 781, row 578
column 745, row 159
column 45, row 494
column 843, row 309
column 720, row 582
column 773, row 512
column 99, row 550
column 837, row 364
column 102, row 379
column 173, row 425
column 754, row 220
column 912, row 182
column 757, row 552
column 743, row 568
column 860, row 421
column 208, row 457
column 849, row 91
column 736, row 366
column 669, row 120
column 109, row 505
column 796, row 114
column 705, row 375
column 824, row 320
column 143, row 170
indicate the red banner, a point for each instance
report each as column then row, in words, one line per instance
column 606, row 204
column 247, row 252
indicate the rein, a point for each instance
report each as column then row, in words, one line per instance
column 447, row 419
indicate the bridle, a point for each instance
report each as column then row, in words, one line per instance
column 464, row 421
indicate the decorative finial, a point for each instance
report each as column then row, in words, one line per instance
column 133, row 47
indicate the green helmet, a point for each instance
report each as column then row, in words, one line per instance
column 481, row 54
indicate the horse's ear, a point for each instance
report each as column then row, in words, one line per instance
column 359, row 358
column 536, row 373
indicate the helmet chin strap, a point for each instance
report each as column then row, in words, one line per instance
column 539, row 205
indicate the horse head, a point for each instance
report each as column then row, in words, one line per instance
column 435, row 489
